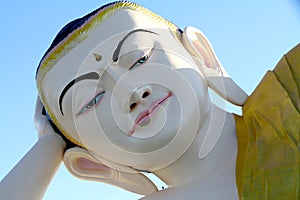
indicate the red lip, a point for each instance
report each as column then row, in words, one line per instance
column 145, row 115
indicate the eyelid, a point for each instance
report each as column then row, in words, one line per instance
column 98, row 97
column 145, row 54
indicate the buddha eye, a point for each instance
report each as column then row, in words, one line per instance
column 92, row 103
column 139, row 62
column 142, row 60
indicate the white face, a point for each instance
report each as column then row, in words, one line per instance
column 137, row 99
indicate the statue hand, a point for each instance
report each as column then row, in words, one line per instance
column 41, row 122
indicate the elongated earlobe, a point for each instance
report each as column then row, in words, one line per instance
column 83, row 165
column 217, row 78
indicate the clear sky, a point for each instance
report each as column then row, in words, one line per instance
column 249, row 38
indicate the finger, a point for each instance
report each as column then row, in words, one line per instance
column 38, row 108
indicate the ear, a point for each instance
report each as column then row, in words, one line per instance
column 217, row 78
column 83, row 165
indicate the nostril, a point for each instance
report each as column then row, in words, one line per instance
column 132, row 106
column 145, row 94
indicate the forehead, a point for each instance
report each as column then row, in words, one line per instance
column 106, row 36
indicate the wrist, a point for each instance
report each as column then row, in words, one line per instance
column 68, row 143
column 56, row 139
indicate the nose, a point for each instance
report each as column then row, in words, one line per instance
column 139, row 95
column 136, row 96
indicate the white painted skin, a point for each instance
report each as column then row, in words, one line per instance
column 196, row 158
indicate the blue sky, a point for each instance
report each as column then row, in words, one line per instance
column 249, row 38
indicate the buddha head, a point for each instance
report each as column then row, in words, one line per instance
column 130, row 90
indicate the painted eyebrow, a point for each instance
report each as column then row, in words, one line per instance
column 87, row 76
column 116, row 53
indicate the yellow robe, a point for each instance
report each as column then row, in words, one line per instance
column 268, row 162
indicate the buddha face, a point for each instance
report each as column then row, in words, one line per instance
column 129, row 93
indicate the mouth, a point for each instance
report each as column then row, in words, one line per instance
column 145, row 116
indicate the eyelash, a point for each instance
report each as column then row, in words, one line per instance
column 142, row 60
column 92, row 103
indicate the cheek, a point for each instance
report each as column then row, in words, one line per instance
column 200, row 92
column 194, row 103
column 89, row 124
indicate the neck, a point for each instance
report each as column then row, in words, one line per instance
column 212, row 156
